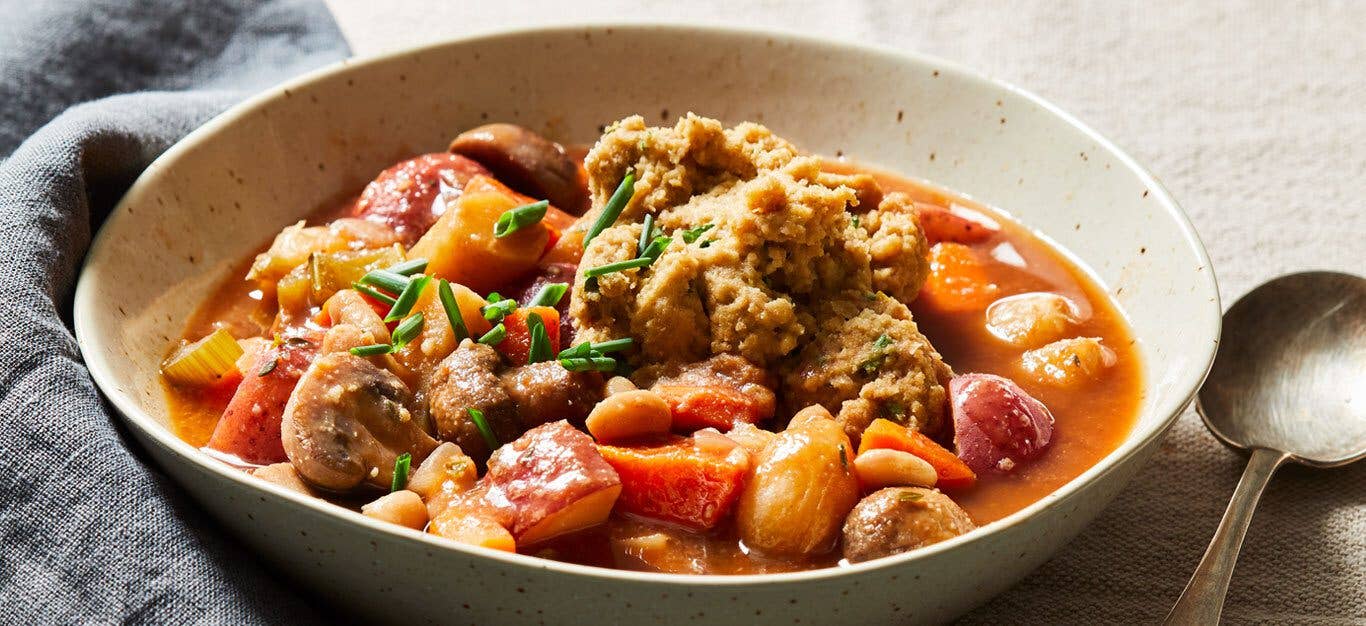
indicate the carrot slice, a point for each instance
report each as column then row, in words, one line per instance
column 953, row 472
column 517, row 345
column 959, row 281
column 678, row 481
column 720, row 407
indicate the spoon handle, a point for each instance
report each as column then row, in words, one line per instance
column 1203, row 599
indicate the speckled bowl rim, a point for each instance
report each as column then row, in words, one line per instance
column 1172, row 405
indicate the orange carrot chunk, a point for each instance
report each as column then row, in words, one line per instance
column 959, row 281
column 516, row 346
column 678, row 481
column 953, row 472
column 719, row 407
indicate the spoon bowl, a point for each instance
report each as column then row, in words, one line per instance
column 1288, row 384
column 1291, row 370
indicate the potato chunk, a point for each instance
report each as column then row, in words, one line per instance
column 800, row 491
column 1031, row 319
column 1068, row 362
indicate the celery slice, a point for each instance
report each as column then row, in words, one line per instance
column 203, row 362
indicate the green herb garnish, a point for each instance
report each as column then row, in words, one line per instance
column 612, row 210
column 515, row 219
column 877, row 356
column 540, row 339
column 409, row 267
column 443, row 291
column 646, row 234
column 693, row 234
column 656, row 248
column 495, row 336
column 382, row 297
column 401, row 465
column 614, row 345
column 854, row 220
column 386, row 280
column 372, row 350
column 407, row 330
column 549, row 295
column 586, row 364
column 477, row 417
column 405, row 301
column 844, row 457
column 495, row 311
column 619, row 266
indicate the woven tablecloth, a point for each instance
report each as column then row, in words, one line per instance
column 1254, row 116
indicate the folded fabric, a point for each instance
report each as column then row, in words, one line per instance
column 92, row 533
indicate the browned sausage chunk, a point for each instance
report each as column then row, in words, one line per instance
column 527, row 162
column 546, row 392
column 897, row 519
column 466, row 380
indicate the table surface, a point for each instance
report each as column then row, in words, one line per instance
column 1251, row 113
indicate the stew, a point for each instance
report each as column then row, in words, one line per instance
column 689, row 349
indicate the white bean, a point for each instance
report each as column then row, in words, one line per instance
column 402, row 507
column 628, row 415
column 883, row 467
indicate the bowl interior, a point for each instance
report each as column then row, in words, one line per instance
column 224, row 191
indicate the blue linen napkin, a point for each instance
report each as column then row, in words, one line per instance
column 90, row 531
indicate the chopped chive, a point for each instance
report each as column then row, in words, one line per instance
column 386, row 280
column 493, row 297
column 855, row 221
column 582, row 350
column 614, row 345
column 540, row 339
column 618, row 266
column 477, row 417
column 401, row 465
column 646, row 234
column 382, row 297
column 495, row 336
column 612, row 210
column 404, row 304
column 515, row 219
column 549, row 295
column 372, row 350
column 409, row 267
column 692, row 234
column 443, row 290
column 656, row 248
column 592, row 363
column 498, row 310
column 407, row 330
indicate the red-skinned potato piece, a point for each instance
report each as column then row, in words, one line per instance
column 996, row 424
column 405, row 196
column 679, row 481
column 250, row 426
column 516, row 347
column 551, row 481
column 461, row 248
column 955, row 224
column 951, row 471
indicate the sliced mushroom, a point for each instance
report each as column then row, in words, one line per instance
column 348, row 421
column 465, row 380
column 527, row 162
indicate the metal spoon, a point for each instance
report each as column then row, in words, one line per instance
column 1289, row 384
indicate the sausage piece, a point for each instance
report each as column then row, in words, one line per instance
column 546, row 392
column 467, row 379
column 897, row 519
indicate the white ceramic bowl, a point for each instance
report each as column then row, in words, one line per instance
column 228, row 187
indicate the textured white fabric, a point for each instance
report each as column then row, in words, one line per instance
column 1254, row 116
